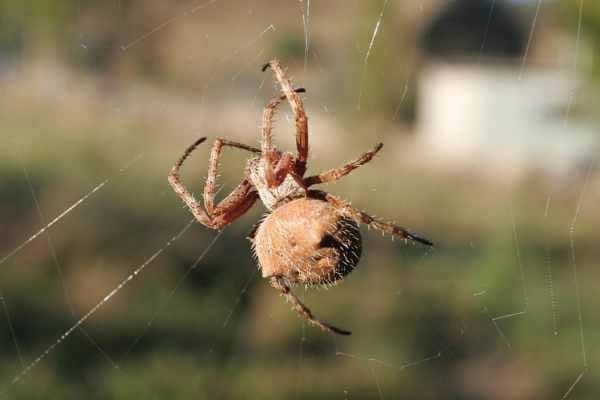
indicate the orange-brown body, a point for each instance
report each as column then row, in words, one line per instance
column 308, row 241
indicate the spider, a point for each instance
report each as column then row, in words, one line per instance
column 309, row 236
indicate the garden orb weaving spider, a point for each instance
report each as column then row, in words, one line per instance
column 310, row 237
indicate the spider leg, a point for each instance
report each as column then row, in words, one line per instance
column 298, row 107
column 267, row 120
column 275, row 175
column 181, row 190
column 337, row 173
column 276, row 167
column 240, row 200
column 210, row 189
column 280, row 284
column 366, row 219
column 230, row 208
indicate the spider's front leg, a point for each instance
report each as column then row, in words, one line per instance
column 300, row 115
column 231, row 207
column 362, row 217
column 277, row 166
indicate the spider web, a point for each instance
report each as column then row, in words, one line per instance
column 459, row 311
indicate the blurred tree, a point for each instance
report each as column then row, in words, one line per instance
column 42, row 24
column 459, row 30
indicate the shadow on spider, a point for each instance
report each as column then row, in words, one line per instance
column 309, row 237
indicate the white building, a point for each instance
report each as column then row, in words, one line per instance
column 476, row 99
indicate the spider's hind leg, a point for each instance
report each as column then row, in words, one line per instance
column 366, row 219
column 280, row 284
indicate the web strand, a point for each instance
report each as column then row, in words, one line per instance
column 499, row 331
column 171, row 294
column 520, row 263
column 372, row 362
column 550, row 277
column 573, row 93
column 65, row 213
column 387, row 364
column 575, row 383
column 524, row 311
column 166, row 23
column 486, row 30
column 402, row 98
column 368, row 53
column 11, row 329
column 374, row 375
column 27, row 370
column 574, row 265
column 306, row 25
column 505, row 316
column 237, row 51
column 530, row 38
column 584, row 357
column 301, row 344
column 59, row 270
column 243, row 291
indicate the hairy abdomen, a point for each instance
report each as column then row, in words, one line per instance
column 308, row 241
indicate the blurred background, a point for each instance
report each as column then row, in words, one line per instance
column 489, row 114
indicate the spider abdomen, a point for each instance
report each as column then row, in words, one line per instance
column 308, row 241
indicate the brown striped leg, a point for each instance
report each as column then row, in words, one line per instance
column 280, row 284
column 366, row 219
column 210, row 188
column 229, row 209
column 300, row 115
column 337, row 173
column 276, row 167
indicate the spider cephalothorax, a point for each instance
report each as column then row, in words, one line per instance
column 309, row 236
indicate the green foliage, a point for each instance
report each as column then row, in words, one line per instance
column 40, row 21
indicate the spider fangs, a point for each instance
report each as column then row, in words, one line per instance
column 310, row 237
